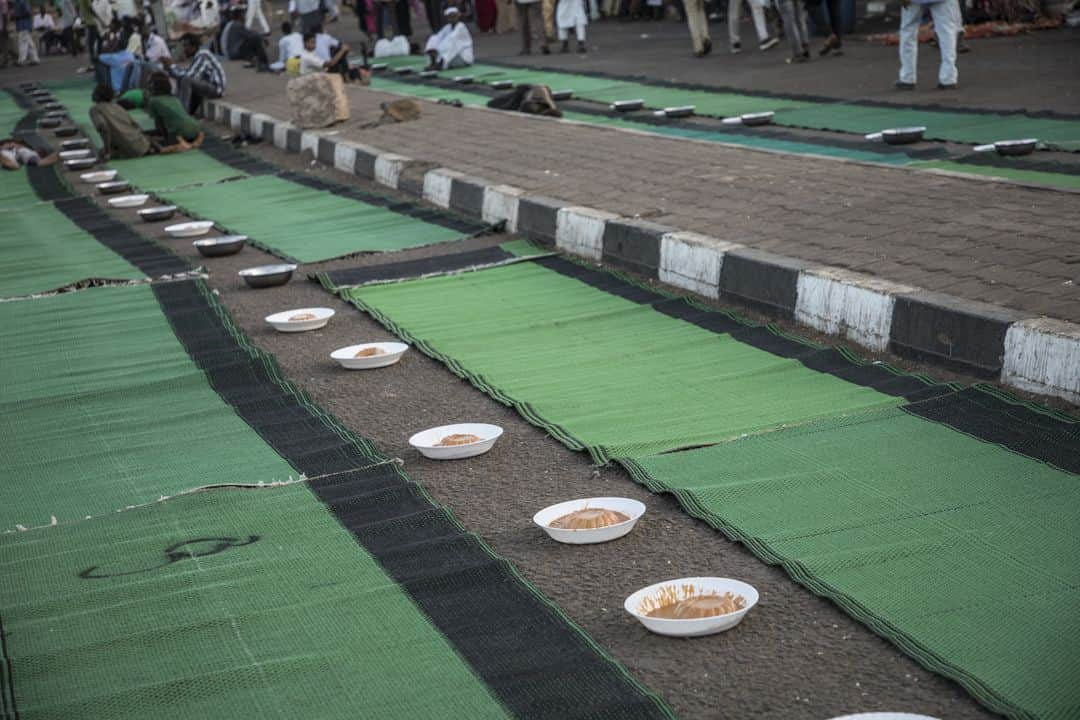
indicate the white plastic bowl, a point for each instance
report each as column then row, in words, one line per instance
column 282, row 323
column 190, row 229
column 347, row 355
column 75, row 154
column 425, row 441
column 128, row 201
column 98, row 176
column 694, row 627
column 626, row 506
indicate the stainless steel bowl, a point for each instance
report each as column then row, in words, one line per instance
column 81, row 163
column 220, row 246
column 79, row 144
column 902, row 136
column 56, row 114
column 1016, row 147
column 429, row 73
column 404, row 71
column 628, row 105
column 378, row 67
column 53, row 107
column 114, row 188
column 266, row 276
column 502, row 84
column 679, row 112
column 159, row 212
column 463, row 79
column 758, row 118
column 66, row 131
column 561, row 94
column 50, row 122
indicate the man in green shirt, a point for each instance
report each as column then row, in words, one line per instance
column 174, row 125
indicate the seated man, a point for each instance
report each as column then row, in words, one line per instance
column 121, row 136
column 15, row 154
column 173, row 124
column 239, row 43
column 204, row 78
column 312, row 62
column 452, row 46
column 290, row 45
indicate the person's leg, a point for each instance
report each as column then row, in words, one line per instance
column 93, row 42
column 547, row 11
column 698, row 25
column 910, row 17
column 786, row 8
column 26, row 44
column 800, row 23
column 836, row 21
column 947, row 27
column 526, row 30
column 760, row 27
column 734, row 17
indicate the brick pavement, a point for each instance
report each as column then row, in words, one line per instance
column 992, row 242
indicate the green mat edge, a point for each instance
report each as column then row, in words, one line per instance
column 274, row 370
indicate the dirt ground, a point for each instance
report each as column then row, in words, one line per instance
column 795, row 656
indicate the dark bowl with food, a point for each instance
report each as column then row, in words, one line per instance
column 266, row 276
column 80, row 163
column 114, row 188
column 903, row 136
column 220, row 246
column 157, row 213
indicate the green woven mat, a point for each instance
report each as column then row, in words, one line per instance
column 10, row 114
column 307, row 224
column 164, row 172
column 15, row 190
column 963, row 553
column 41, row 249
column 600, row 372
column 75, row 96
column 1003, row 171
column 301, row 622
column 101, row 407
column 974, row 128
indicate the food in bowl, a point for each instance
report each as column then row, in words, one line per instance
column 369, row 352
column 589, row 519
column 458, row 439
column 688, row 603
column 301, row 317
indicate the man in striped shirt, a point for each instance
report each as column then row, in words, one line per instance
column 203, row 78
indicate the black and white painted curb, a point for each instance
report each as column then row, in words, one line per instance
column 1035, row 354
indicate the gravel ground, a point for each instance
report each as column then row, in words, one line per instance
column 795, row 656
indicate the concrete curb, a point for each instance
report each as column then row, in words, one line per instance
column 1040, row 355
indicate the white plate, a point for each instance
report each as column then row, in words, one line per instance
column 694, row 627
column 426, row 440
column 626, row 506
column 128, row 201
column 347, row 355
column 75, row 154
column 190, row 229
column 98, row 176
column 282, row 323
column 884, row 716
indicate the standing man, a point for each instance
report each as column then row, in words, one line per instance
column 203, row 78
column 310, row 12
column 24, row 26
column 698, row 23
column 255, row 19
column 757, row 12
column 530, row 10
column 947, row 26
column 93, row 27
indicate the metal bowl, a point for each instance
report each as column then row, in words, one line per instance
column 53, row 107
column 50, row 122
column 561, row 94
column 404, row 71
column 76, row 154
column 628, row 105
column 79, row 144
column 58, row 114
column 677, row 112
column 66, row 131
column 429, row 73
column 158, row 212
column 266, row 276
column 902, row 136
column 81, row 163
column 113, row 188
column 758, row 118
column 464, row 79
column 44, row 98
column 220, row 246
column 502, row 85
column 1016, row 147
column 378, row 67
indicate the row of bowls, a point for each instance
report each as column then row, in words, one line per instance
column 427, row 443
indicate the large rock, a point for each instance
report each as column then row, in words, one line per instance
column 317, row 100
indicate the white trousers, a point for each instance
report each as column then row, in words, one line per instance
column 697, row 23
column 27, row 48
column 734, row 17
column 579, row 32
column 255, row 20
column 947, row 24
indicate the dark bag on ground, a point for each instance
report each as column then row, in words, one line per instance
column 531, row 99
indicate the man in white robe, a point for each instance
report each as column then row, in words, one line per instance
column 452, row 46
column 571, row 14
